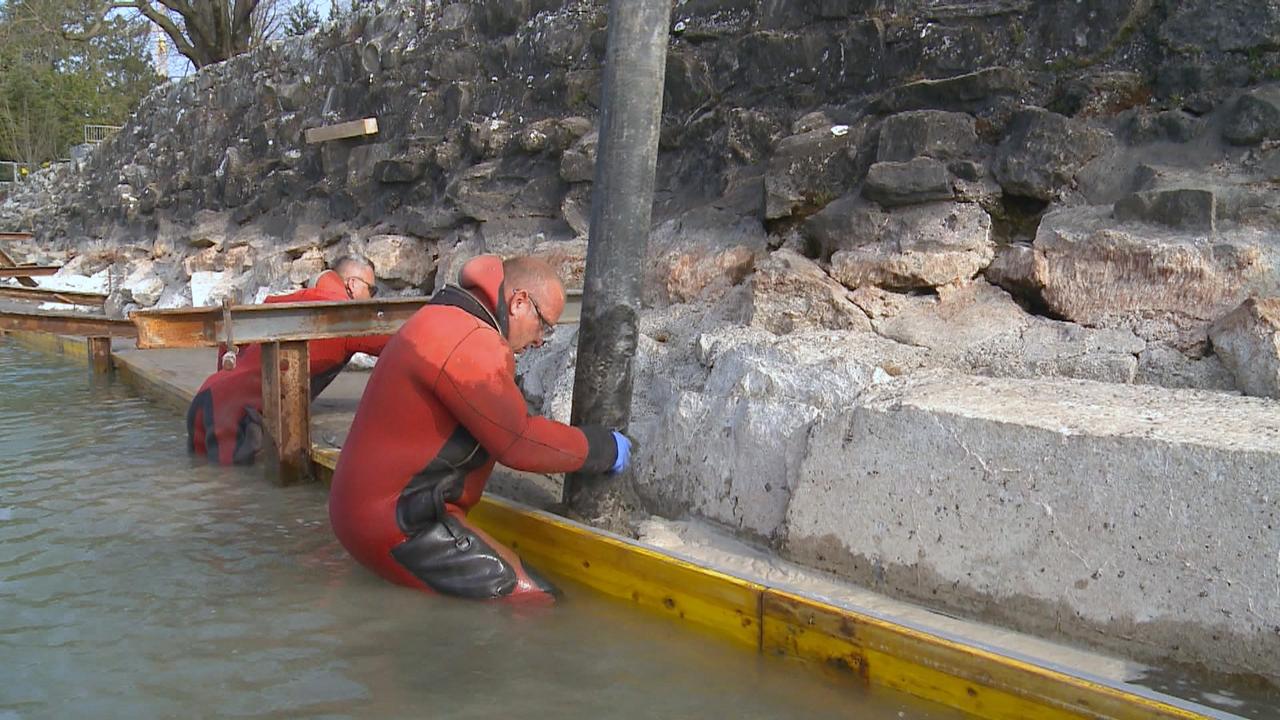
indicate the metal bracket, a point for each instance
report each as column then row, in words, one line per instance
column 229, row 355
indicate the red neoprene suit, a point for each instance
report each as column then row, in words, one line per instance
column 233, row 398
column 440, row 409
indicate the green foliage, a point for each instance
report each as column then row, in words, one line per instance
column 51, row 87
column 300, row 19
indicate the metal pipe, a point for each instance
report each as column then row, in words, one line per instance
column 621, row 210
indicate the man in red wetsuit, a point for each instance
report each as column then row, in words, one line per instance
column 224, row 421
column 441, row 407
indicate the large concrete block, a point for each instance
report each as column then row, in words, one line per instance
column 1139, row 519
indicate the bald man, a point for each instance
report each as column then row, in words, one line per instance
column 224, row 420
column 441, row 408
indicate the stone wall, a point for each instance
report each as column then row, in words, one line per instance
column 850, row 193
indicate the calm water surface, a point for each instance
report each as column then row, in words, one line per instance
column 135, row 583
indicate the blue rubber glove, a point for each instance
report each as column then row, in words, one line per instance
column 624, row 453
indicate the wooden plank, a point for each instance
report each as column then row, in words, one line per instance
column 99, row 354
column 29, row 271
column 986, row 684
column 59, row 323
column 286, row 408
column 354, row 128
column 716, row 602
column 15, row 235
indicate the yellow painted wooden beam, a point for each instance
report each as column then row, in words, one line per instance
column 355, row 128
column 861, row 648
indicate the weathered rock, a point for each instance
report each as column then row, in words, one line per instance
column 1166, row 366
column 1101, row 94
column 1191, row 209
column 1043, row 151
column 760, row 392
column 1094, row 274
column 1013, row 269
column 308, row 266
column 1248, row 342
column 567, row 257
column 790, row 292
column 1169, row 126
column 921, row 246
column 962, row 92
column 927, row 133
column 1064, row 489
column 908, row 183
column 1204, row 25
column 401, row 260
column 1254, row 118
column 578, row 164
column 811, row 168
column 700, row 253
column 978, row 328
column 511, row 188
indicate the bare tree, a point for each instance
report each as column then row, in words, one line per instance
column 204, row 31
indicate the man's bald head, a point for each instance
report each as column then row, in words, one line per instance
column 534, row 275
column 535, row 300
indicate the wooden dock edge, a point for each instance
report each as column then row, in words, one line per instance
column 861, row 647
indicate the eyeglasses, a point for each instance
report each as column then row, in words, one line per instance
column 547, row 328
column 373, row 289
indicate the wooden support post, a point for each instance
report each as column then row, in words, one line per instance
column 286, row 407
column 100, row 354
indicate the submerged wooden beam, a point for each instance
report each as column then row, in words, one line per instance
column 20, row 271
column 65, row 323
column 284, row 322
column 355, row 128
column 39, row 294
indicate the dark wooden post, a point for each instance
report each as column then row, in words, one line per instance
column 621, row 209
column 286, row 407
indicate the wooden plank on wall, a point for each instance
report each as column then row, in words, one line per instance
column 355, row 128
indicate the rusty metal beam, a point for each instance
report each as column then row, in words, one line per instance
column 60, row 323
column 6, row 261
column 99, row 354
column 48, row 295
column 28, row 271
column 284, row 322
column 286, row 407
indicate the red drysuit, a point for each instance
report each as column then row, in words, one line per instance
column 440, row 409
column 224, row 421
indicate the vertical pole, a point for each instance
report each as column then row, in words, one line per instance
column 286, row 407
column 99, row 354
column 621, row 209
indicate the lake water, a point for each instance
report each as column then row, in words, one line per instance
column 137, row 583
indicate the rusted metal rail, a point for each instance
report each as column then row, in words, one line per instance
column 19, row 235
column 39, row 294
column 283, row 330
column 6, row 261
column 19, row 271
column 66, row 323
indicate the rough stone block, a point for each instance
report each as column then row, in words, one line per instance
column 1255, row 117
column 1043, row 151
column 921, row 246
column 927, row 133
column 962, row 92
column 1248, row 342
column 914, row 182
column 1141, row 519
column 1192, row 209
column 811, row 166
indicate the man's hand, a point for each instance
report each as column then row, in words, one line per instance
column 624, row 453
